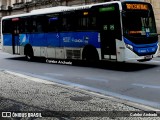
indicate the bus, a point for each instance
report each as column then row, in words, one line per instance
column 114, row 31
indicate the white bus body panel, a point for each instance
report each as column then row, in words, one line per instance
column 43, row 51
column 21, row 52
column 60, row 53
column 7, row 49
column 51, row 52
column 36, row 51
column 125, row 54
column 157, row 53
column 99, row 53
column 120, row 49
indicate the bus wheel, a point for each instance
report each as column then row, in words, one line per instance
column 29, row 57
column 90, row 54
column 29, row 53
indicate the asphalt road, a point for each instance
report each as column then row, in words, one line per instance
column 138, row 82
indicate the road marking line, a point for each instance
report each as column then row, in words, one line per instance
column 155, row 61
column 147, row 86
column 54, row 74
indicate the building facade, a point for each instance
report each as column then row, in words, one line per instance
column 11, row 7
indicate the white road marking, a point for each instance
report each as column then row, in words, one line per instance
column 54, row 74
column 155, row 61
column 147, row 86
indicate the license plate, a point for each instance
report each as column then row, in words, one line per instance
column 148, row 57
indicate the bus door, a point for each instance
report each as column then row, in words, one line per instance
column 108, row 45
column 109, row 23
column 15, row 36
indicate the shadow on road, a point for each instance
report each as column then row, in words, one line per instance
column 36, row 59
column 117, row 66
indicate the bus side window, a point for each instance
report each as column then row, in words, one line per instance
column 65, row 25
column 86, row 21
column 23, row 25
column 27, row 24
column 7, row 26
column 34, row 28
column 69, row 21
column 53, row 22
column 39, row 27
column 37, row 24
column 93, row 21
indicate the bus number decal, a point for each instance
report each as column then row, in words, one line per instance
column 105, row 27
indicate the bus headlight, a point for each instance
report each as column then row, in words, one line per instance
column 129, row 47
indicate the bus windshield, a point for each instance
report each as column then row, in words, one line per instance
column 139, row 24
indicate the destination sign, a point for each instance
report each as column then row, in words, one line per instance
column 104, row 9
column 137, row 6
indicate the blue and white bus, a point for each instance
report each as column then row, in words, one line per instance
column 116, row 31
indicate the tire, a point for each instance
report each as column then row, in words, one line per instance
column 90, row 54
column 144, row 60
column 29, row 53
column 29, row 57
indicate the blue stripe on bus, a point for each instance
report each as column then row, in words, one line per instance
column 23, row 39
column 143, row 48
column 140, row 45
column 79, row 39
column 65, row 39
column 7, row 39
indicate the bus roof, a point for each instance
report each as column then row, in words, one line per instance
column 59, row 9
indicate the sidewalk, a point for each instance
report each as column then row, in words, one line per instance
column 27, row 94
